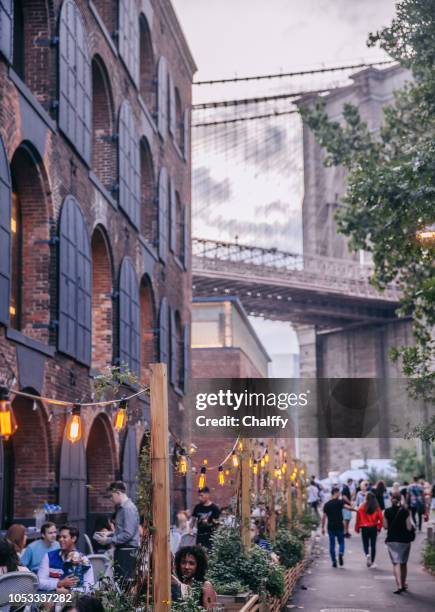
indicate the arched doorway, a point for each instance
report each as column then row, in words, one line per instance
column 101, row 468
column 102, row 313
column 147, row 65
column 25, row 463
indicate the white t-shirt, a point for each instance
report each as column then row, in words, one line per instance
column 313, row 494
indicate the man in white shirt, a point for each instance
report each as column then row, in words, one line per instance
column 65, row 569
column 313, row 497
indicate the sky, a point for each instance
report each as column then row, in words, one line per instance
column 248, row 177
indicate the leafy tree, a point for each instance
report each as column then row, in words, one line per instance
column 407, row 464
column 390, row 193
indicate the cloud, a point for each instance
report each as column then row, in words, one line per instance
column 265, row 149
column 207, row 189
column 273, row 207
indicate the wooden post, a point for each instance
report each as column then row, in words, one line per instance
column 299, row 490
column 246, row 494
column 289, row 492
column 161, row 553
column 271, row 479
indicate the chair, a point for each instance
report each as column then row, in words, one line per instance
column 90, row 548
column 101, row 567
column 24, row 583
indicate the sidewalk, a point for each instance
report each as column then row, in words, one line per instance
column 355, row 588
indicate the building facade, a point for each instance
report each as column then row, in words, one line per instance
column 95, row 193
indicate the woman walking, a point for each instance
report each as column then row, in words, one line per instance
column 380, row 491
column 369, row 522
column 400, row 534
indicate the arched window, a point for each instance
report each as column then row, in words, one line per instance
column 129, row 37
column 75, row 283
column 186, row 361
column 149, row 208
column 102, row 291
column 186, row 134
column 164, row 331
column 185, row 233
column 103, row 142
column 19, row 40
column 148, row 325
column 177, row 350
column 108, row 11
column 30, row 279
column 129, row 317
column 147, row 65
column 5, row 233
column 6, row 12
column 163, row 214
column 129, row 173
column 74, row 80
column 162, row 97
column 179, row 121
column 176, row 223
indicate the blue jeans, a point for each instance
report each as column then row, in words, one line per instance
column 339, row 534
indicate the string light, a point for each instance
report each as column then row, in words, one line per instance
column 251, row 463
column 255, row 468
column 284, row 467
column 192, row 448
column 205, row 462
column 201, row 479
column 234, row 459
column 262, row 462
column 240, row 446
column 221, row 477
column 8, row 424
column 120, row 420
column 182, row 462
column 74, row 427
column 266, row 456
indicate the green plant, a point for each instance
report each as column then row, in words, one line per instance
column 407, row 464
column 112, row 379
column 309, row 520
column 374, row 475
column 230, row 588
column 190, row 602
column 288, row 547
column 429, row 556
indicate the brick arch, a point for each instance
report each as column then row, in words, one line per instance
column 147, row 65
column 32, row 261
column 101, row 463
column 149, row 208
column 103, row 143
column 108, row 11
column 28, row 465
column 102, row 299
column 148, row 326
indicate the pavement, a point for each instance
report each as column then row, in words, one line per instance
column 355, row 588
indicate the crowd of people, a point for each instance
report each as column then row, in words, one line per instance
column 400, row 511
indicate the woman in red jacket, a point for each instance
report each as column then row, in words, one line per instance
column 369, row 520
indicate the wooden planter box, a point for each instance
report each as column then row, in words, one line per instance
column 232, row 603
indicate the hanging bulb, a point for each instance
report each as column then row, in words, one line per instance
column 74, row 427
column 240, row 446
column 266, row 456
column 221, row 477
column 227, row 472
column 201, row 479
column 192, row 448
column 255, row 468
column 262, row 462
column 251, row 463
column 205, row 462
column 182, row 462
column 234, row 459
column 8, row 424
column 284, row 467
column 120, row 420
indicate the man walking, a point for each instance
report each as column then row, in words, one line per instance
column 66, row 568
column 313, row 496
column 416, row 502
column 207, row 515
column 333, row 511
column 126, row 535
column 35, row 552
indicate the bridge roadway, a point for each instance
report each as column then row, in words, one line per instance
column 285, row 286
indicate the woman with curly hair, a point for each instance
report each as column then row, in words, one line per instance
column 190, row 569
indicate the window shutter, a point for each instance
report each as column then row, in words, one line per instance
column 5, row 234
column 186, row 355
column 162, row 97
column 129, row 37
column 129, row 170
column 6, row 28
column 75, row 104
column 163, row 331
column 172, row 111
column 75, row 283
column 129, row 317
column 173, row 208
column 163, row 214
column 186, row 134
column 186, row 238
column 173, row 368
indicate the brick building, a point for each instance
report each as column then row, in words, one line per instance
column 225, row 345
column 94, row 235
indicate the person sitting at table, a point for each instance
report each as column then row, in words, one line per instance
column 16, row 534
column 34, row 553
column 9, row 561
column 66, row 568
